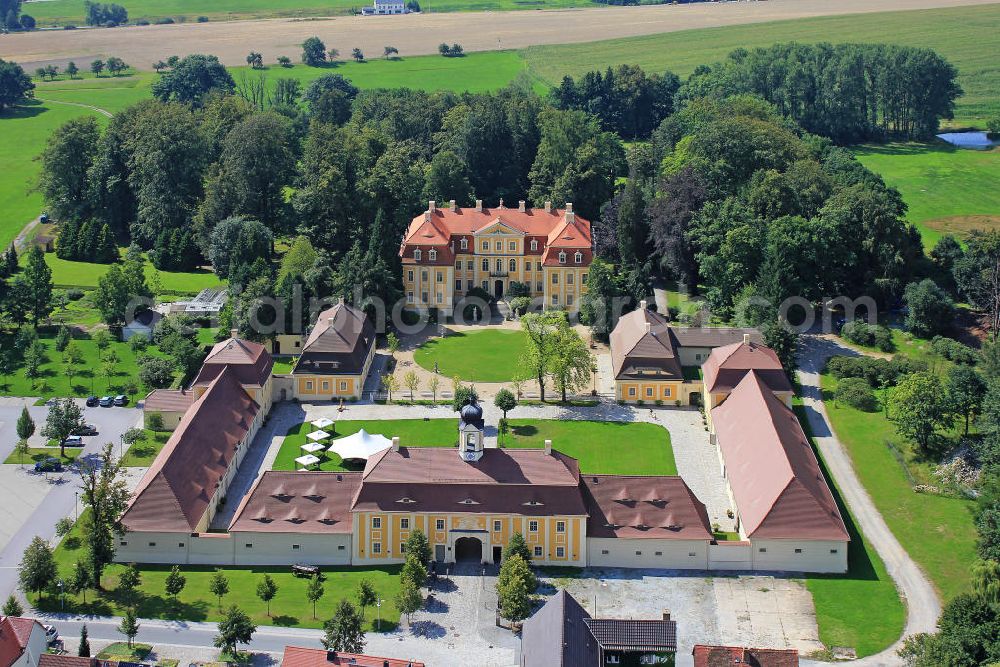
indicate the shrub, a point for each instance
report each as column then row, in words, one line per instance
column 520, row 304
column 870, row 335
column 142, row 22
column 164, row 21
column 876, row 372
column 74, row 294
column 857, row 393
column 202, row 19
column 952, row 350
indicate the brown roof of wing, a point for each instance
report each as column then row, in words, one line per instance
column 298, row 502
column 628, row 634
column 726, row 367
column 342, row 334
column 443, row 465
column 634, row 348
column 175, row 492
column 776, row 481
column 557, row 636
column 168, row 400
column 250, row 361
column 662, row 507
column 14, row 635
column 714, row 336
column 523, row 499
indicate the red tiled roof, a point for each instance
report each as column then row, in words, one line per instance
column 168, row 400
column 54, row 660
column 733, row 656
column 776, row 481
column 444, row 465
column 726, row 366
column 296, row 656
column 251, row 362
column 298, row 502
column 14, row 635
column 342, row 335
column 628, row 506
column 177, row 489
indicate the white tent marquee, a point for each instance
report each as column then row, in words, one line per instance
column 360, row 445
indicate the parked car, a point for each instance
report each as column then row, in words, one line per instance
column 106, row 401
column 121, row 399
column 50, row 464
column 74, row 441
column 86, row 429
column 92, row 401
column 51, row 634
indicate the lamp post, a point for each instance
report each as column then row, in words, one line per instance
column 378, row 611
column 62, row 598
column 76, row 506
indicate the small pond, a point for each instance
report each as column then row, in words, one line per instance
column 978, row 140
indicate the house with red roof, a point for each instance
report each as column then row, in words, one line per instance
column 741, row 656
column 22, row 641
column 448, row 251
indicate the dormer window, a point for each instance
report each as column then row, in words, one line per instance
column 406, row 501
column 464, row 244
column 467, row 501
column 432, row 255
column 562, row 257
column 578, row 258
column 534, row 244
column 417, row 254
column 533, row 503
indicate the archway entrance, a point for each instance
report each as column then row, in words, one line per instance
column 468, row 549
column 498, row 289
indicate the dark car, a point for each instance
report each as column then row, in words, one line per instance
column 121, row 399
column 49, row 465
column 106, row 401
column 86, row 429
column 92, row 401
column 73, row 441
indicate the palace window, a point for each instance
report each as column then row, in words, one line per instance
column 538, row 552
column 439, row 524
column 555, row 278
column 560, row 526
column 486, row 245
column 458, row 285
column 569, row 299
column 432, row 255
column 423, row 276
column 486, row 265
column 532, row 526
column 798, row 551
column 376, row 522
column 468, row 284
column 578, row 257
column 499, row 245
column 583, row 279
column 497, row 526
column 538, row 286
column 376, row 547
column 458, row 265
column 423, row 297
column 534, row 244
column 409, row 275
column 409, row 297
column 538, row 266
column 468, row 265
column 417, row 254
column 499, row 265
column 343, row 385
column 485, row 286
column 440, row 277
column 402, row 547
column 512, row 245
column 560, row 552
column 464, row 244
column 440, row 297
column 569, row 278
column 513, row 265
column 562, row 257
column 555, row 299
column 649, row 392
column 631, row 391
column 404, row 523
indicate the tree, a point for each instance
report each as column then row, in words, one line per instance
column 390, row 383
column 15, row 85
column 931, row 310
column 115, row 65
column 192, row 80
column 106, row 494
column 541, row 331
column 38, row 279
column 516, row 546
column 129, row 581
column 156, row 372
column 266, row 590
column 505, row 401
column 514, row 586
column 357, row 54
column 38, row 569
column 83, row 650
column 966, row 390
column 69, row 153
column 25, row 424
column 392, row 342
column 571, row 362
column 238, row 240
column 412, row 382
column 414, row 570
column 366, row 595
column 234, row 628
column 12, row 607
column 985, row 576
column 72, row 69
column 463, row 395
column 63, row 418
column 314, row 591
column 23, row 449
column 344, row 631
column 434, row 384
column 97, row 66
column 409, row 599
column 219, row 586
column 314, row 52
column 418, row 546
column 332, row 54
column 389, row 51
column 129, row 625
column 80, row 580
column 175, row 582
column 920, row 409
column 977, row 275
column 255, row 60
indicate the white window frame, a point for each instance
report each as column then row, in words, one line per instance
column 533, row 526
column 464, row 243
column 534, row 244
column 404, row 523
column 432, row 255
column 417, row 254
column 578, row 257
column 376, row 523
column 560, row 526
column 562, row 257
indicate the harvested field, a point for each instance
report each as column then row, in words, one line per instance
column 419, row 34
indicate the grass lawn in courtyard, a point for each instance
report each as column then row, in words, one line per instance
column 490, row 355
column 937, row 531
column 282, row 366
column 411, row 432
column 289, row 607
column 948, row 190
column 36, row 454
column 862, row 608
column 607, row 448
column 120, row 652
column 142, row 452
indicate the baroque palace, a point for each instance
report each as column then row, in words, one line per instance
column 448, row 251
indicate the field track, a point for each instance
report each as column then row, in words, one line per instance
column 420, row 34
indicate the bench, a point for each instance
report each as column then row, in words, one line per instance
column 303, row 570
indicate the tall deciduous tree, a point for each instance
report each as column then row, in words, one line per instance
column 129, row 626
column 106, row 494
column 15, row 85
column 38, row 282
column 63, row 418
column 920, row 409
column 38, row 569
column 193, row 79
column 69, row 153
column 266, row 590
column 235, row 628
column 344, row 631
column 541, row 330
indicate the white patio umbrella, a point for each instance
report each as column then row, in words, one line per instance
column 360, row 445
column 316, row 436
column 322, row 423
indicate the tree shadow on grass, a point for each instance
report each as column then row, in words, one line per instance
column 524, row 430
column 285, row 620
column 28, row 109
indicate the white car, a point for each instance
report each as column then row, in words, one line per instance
column 51, row 634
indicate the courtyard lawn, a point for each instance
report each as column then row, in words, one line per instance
column 490, row 355
column 411, row 432
column 142, row 453
column 607, row 448
column 862, row 608
column 937, row 531
column 66, row 273
column 289, row 607
column 948, row 190
column 282, row 366
column 36, row 454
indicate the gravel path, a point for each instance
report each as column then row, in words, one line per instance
column 419, row 34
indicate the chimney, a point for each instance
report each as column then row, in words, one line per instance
column 649, row 327
column 395, row 443
column 427, row 216
column 234, row 333
column 548, row 447
column 501, row 202
column 570, row 216
column 569, row 207
column 331, row 656
column 340, row 301
column 643, row 305
column 520, row 205
column 746, row 339
column 432, row 206
column 666, row 614
column 548, row 207
column 479, row 206
column 451, row 205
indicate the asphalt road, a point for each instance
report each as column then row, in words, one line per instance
column 60, row 501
